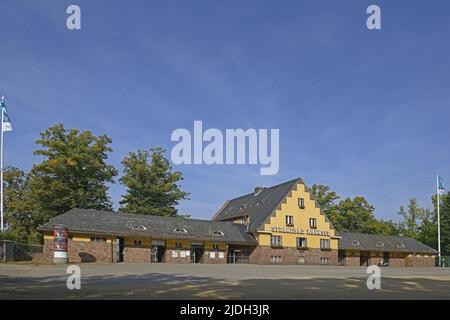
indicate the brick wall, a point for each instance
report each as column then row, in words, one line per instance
column 216, row 260
column 83, row 251
column 352, row 260
column 263, row 254
column 169, row 258
column 397, row 262
column 420, row 261
column 133, row 254
column 91, row 251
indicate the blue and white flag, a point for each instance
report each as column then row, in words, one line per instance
column 441, row 185
column 6, row 125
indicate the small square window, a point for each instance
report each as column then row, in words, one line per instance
column 301, row 203
column 215, row 247
column 302, row 243
column 323, row 260
column 324, row 244
column 289, row 220
column 276, row 259
column 276, row 241
column 137, row 243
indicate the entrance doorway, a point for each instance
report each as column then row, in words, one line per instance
column 364, row 258
column 341, row 257
column 158, row 251
column 120, row 244
column 386, row 258
column 238, row 254
column 197, row 251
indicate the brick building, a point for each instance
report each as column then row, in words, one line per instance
column 281, row 224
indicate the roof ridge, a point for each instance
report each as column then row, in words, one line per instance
column 139, row 215
column 265, row 188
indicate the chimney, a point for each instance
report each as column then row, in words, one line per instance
column 258, row 189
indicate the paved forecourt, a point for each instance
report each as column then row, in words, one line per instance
column 176, row 281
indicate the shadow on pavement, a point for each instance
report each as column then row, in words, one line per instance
column 179, row 286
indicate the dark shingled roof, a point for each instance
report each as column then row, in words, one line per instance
column 368, row 242
column 121, row 224
column 257, row 205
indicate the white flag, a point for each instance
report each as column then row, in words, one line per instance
column 6, row 125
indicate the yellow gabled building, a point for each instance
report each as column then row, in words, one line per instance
column 287, row 223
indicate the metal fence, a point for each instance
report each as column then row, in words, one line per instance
column 15, row 251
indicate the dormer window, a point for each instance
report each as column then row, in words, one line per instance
column 241, row 208
column 355, row 243
column 180, row 230
column 218, row 233
column 139, row 228
column 380, row 244
column 401, row 245
column 259, row 203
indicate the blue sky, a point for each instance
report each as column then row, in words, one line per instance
column 365, row 112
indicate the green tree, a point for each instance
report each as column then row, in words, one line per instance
column 409, row 226
column 444, row 214
column 388, row 227
column 427, row 230
column 20, row 210
column 151, row 184
column 326, row 199
column 74, row 172
column 352, row 215
column 357, row 215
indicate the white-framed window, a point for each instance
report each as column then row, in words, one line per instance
column 139, row 228
column 180, row 230
column 302, row 243
column 313, row 223
column 323, row 260
column 301, row 203
column 289, row 220
column 276, row 259
column 324, row 244
column 218, row 233
column 276, row 241
column 355, row 243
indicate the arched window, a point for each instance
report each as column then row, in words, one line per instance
column 401, row 244
column 380, row 244
column 355, row 243
column 218, row 233
column 139, row 228
column 180, row 230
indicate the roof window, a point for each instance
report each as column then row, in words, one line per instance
column 180, row 230
column 139, row 228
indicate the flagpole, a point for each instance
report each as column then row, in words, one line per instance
column 1, row 170
column 438, row 220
